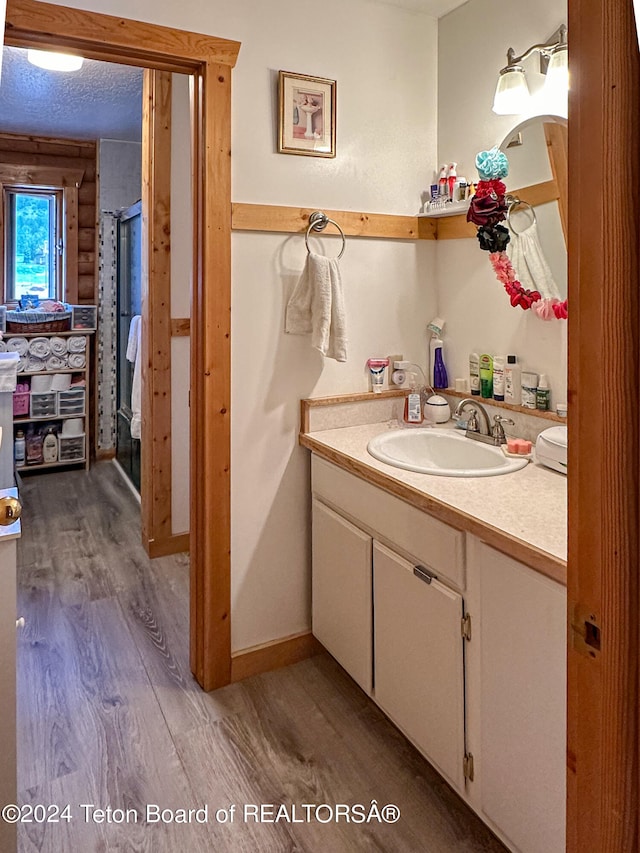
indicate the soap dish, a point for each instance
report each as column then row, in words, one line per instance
column 516, row 455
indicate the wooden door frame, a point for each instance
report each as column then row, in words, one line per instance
column 604, row 377
column 209, row 60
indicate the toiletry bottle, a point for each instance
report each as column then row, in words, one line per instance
column 443, row 184
column 486, row 376
column 474, row 374
column 377, row 367
column 529, row 389
column 413, row 405
column 498, row 377
column 440, row 378
column 452, row 178
column 50, row 446
column 19, row 449
column 512, row 381
column 543, row 394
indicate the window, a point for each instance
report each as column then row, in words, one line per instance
column 33, row 243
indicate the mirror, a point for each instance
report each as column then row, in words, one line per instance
column 537, row 153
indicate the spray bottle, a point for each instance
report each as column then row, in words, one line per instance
column 437, row 371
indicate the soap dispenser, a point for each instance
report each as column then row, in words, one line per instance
column 413, row 404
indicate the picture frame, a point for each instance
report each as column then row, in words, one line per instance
column 306, row 115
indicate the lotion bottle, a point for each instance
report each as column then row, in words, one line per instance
column 512, row 382
column 486, row 376
column 474, row 374
column 543, row 394
column 498, row 377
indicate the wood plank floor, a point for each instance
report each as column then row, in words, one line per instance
column 109, row 715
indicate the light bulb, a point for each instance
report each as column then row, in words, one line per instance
column 512, row 93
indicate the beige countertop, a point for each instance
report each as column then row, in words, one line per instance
column 523, row 514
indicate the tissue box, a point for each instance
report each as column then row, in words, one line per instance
column 551, row 448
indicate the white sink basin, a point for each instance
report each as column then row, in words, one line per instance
column 442, row 452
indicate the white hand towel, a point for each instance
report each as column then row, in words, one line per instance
column 132, row 343
column 75, row 361
column 35, row 364
column 76, row 343
column 8, row 370
column 136, row 388
column 316, row 307
column 19, row 345
column 57, row 362
column 533, row 271
column 58, row 346
column 40, row 347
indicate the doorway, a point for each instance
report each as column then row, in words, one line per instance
column 209, row 60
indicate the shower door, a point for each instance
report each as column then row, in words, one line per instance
column 129, row 305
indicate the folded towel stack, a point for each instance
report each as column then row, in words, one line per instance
column 22, row 364
column 76, row 343
column 3, row 346
column 58, row 346
column 19, row 345
column 40, row 347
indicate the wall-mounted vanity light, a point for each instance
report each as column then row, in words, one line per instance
column 512, row 92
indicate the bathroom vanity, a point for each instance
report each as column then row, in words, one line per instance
column 453, row 620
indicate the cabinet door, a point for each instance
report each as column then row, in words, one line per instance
column 341, row 592
column 522, row 713
column 418, row 653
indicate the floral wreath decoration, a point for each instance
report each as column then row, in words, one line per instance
column 488, row 208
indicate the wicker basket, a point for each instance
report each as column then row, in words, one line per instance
column 24, row 323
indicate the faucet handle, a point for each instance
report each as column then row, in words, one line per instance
column 472, row 421
column 498, row 431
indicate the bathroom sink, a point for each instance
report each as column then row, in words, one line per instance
column 441, row 452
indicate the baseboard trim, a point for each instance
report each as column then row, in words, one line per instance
column 273, row 655
column 101, row 455
column 177, row 544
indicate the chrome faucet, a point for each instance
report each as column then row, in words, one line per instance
column 491, row 434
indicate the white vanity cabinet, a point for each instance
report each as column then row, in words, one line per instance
column 419, row 665
column 517, row 707
column 462, row 646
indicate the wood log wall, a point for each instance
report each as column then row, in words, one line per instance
column 66, row 153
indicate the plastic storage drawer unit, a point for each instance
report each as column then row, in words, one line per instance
column 71, row 402
column 44, row 405
column 70, row 448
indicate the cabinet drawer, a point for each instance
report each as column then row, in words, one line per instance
column 425, row 538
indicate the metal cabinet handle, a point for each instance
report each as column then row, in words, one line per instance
column 424, row 574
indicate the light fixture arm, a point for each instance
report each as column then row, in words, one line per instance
column 558, row 39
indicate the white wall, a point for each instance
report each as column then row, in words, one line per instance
column 384, row 61
column 119, row 171
column 473, row 42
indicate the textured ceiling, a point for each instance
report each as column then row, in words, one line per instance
column 101, row 100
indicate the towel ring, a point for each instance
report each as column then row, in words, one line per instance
column 516, row 202
column 318, row 221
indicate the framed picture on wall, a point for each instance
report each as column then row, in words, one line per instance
column 307, row 115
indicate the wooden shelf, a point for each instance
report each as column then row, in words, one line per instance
column 76, row 332
column 21, row 420
column 42, row 465
column 489, row 401
column 51, row 372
